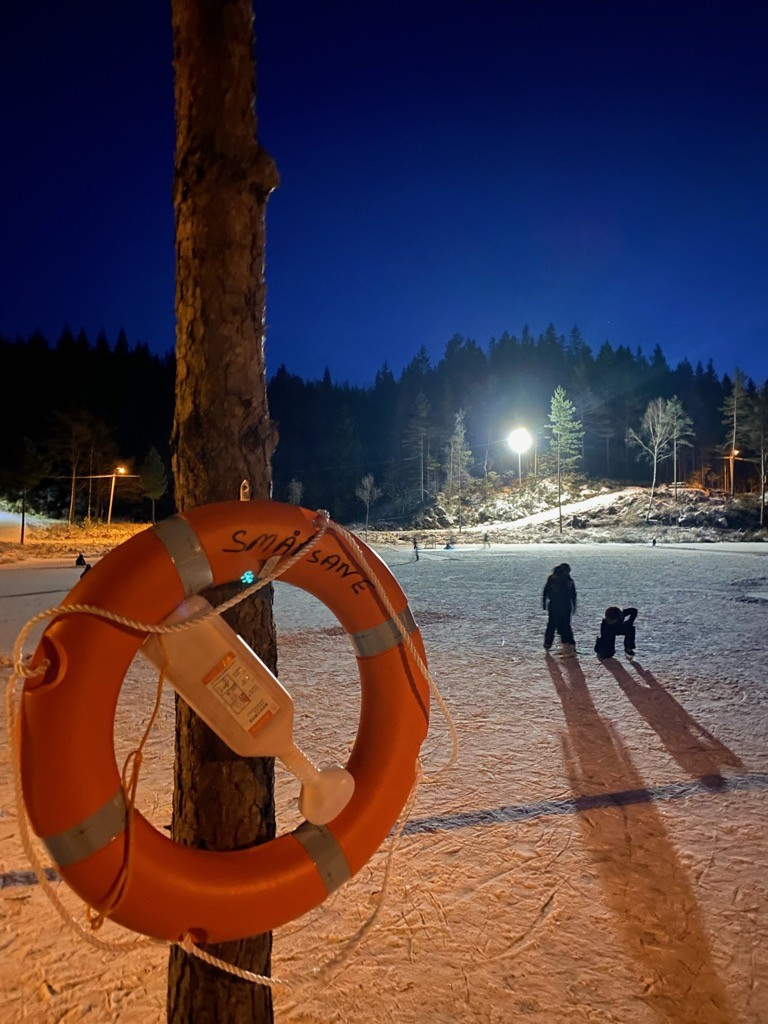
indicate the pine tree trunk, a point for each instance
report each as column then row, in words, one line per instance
column 23, row 514
column 222, row 435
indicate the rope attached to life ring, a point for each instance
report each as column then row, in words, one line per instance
column 130, row 775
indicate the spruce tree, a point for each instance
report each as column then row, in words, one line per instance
column 458, row 458
column 153, row 478
column 416, row 443
column 734, row 410
column 565, row 433
column 682, row 432
column 756, row 433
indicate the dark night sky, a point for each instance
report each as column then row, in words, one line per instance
column 446, row 167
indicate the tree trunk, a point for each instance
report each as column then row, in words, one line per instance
column 23, row 514
column 222, row 435
column 733, row 434
column 674, row 467
column 90, row 483
column 72, row 494
column 653, row 487
column 559, row 493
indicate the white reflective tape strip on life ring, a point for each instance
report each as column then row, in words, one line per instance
column 187, row 554
column 86, row 837
column 326, row 853
column 370, row 642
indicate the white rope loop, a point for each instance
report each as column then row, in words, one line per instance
column 188, row 945
column 21, row 670
column 408, row 641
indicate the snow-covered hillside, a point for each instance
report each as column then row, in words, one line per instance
column 590, row 515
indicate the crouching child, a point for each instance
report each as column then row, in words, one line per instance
column 617, row 622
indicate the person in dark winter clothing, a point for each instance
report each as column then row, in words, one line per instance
column 87, row 568
column 559, row 600
column 416, row 548
column 80, row 560
column 617, row 622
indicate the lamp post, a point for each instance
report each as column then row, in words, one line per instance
column 520, row 441
column 118, row 471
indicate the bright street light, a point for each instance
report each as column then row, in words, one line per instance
column 117, row 471
column 520, row 441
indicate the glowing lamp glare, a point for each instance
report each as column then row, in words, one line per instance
column 520, row 440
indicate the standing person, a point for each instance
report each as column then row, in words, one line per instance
column 559, row 600
column 617, row 622
column 486, row 541
column 416, row 548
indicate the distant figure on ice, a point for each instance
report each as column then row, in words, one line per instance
column 486, row 541
column 87, row 568
column 416, row 548
column 617, row 622
column 559, row 600
column 653, row 543
column 80, row 560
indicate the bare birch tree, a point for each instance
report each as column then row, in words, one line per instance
column 222, row 435
column 654, row 438
column 295, row 491
column 368, row 493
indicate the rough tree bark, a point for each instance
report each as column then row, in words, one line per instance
column 222, row 435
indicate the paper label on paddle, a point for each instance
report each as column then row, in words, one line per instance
column 240, row 693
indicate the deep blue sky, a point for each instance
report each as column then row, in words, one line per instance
column 446, row 167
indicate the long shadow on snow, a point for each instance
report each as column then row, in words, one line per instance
column 696, row 750
column 644, row 881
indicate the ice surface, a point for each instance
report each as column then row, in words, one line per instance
column 599, row 853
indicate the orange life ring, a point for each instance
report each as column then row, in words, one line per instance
column 70, row 777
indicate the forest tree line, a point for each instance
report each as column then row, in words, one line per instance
column 98, row 404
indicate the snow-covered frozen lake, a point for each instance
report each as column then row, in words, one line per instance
column 598, row 853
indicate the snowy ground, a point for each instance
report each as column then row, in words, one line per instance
column 10, row 525
column 598, row 854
